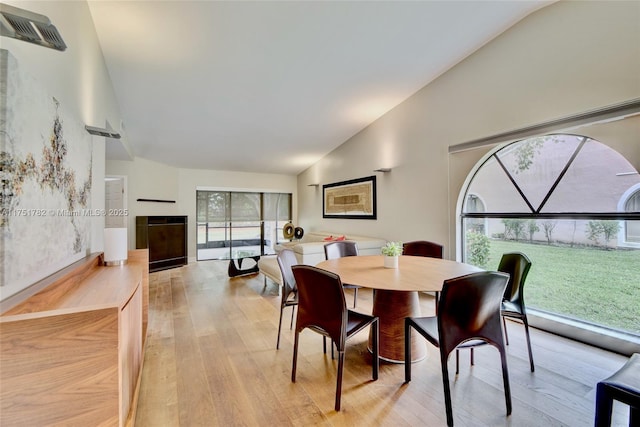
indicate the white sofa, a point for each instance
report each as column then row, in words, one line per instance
column 310, row 249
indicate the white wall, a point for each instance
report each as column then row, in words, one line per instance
column 564, row 59
column 152, row 180
column 77, row 77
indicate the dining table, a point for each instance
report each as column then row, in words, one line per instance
column 395, row 295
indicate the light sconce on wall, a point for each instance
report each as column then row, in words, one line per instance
column 384, row 170
column 94, row 130
column 30, row 27
column 313, row 185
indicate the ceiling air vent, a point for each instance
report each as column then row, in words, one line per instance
column 30, row 27
column 102, row 132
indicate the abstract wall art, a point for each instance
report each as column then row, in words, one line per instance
column 45, row 159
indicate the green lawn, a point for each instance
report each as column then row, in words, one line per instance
column 599, row 286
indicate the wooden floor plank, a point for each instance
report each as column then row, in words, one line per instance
column 211, row 361
column 161, row 403
column 194, row 396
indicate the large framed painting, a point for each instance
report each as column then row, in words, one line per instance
column 354, row 199
column 45, row 202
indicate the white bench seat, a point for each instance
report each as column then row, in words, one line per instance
column 269, row 268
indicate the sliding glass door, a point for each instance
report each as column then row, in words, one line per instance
column 245, row 227
column 276, row 212
column 233, row 225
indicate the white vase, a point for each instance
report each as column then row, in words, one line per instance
column 390, row 261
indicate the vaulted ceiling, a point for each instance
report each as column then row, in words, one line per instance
column 270, row 86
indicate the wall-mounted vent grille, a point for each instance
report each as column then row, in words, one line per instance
column 30, row 27
column 102, row 132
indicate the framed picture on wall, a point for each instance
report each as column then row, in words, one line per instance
column 353, row 199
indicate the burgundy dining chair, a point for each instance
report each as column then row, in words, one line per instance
column 286, row 260
column 427, row 249
column 341, row 249
column 322, row 308
column 468, row 315
column 517, row 265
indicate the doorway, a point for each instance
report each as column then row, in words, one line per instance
column 116, row 212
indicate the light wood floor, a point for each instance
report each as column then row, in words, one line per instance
column 211, row 361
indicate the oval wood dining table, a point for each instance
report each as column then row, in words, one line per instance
column 396, row 293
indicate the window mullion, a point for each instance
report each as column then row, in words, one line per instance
column 515, row 184
column 562, row 173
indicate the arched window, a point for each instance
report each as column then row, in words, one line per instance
column 632, row 228
column 557, row 198
column 476, row 205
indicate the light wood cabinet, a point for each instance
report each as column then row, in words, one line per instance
column 130, row 353
column 71, row 354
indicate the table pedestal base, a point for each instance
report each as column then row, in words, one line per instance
column 392, row 307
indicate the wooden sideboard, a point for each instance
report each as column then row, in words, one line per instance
column 71, row 354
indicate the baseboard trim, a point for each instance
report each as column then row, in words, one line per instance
column 608, row 339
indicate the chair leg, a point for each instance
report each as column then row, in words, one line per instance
column 634, row 416
column 505, row 379
column 506, row 336
column 376, row 359
column 447, row 389
column 471, row 360
column 339, row 380
column 295, row 357
column 293, row 310
column 526, row 331
column 355, row 296
column 407, row 350
column 604, row 405
column 279, row 328
column 437, row 299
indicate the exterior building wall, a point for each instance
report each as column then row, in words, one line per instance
column 598, row 180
